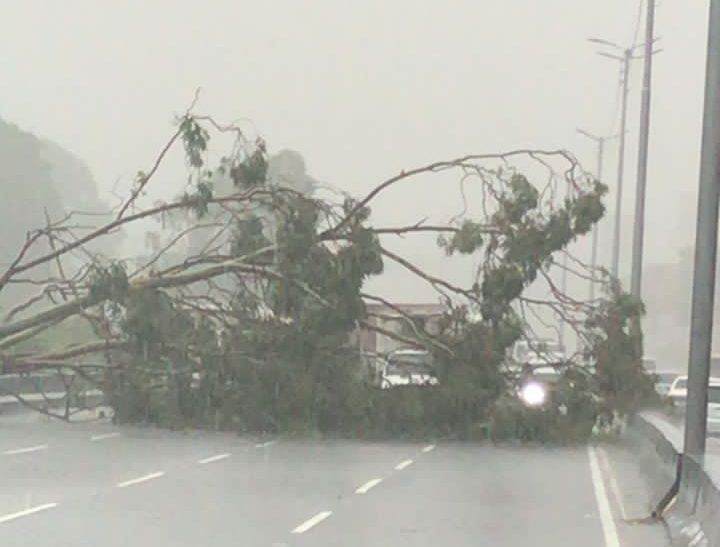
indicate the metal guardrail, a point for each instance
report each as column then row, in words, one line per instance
column 43, row 391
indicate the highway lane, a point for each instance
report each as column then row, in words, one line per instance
column 468, row 495
column 57, row 462
column 126, row 486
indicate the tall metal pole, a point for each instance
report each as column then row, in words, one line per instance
column 639, row 228
column 600, row 142
column 563, row 279
column 706, row 234
column 615, row 265
column 593, row 255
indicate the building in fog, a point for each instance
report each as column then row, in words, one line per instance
column 395, row 320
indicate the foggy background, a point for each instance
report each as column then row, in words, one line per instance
column 363, row 90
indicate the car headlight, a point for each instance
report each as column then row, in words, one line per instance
column 533, row 394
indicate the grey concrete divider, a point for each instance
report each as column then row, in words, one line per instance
column 657, row 453
column 707, row 507
column 693, row 518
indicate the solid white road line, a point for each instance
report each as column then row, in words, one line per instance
column 403, row 465
column 25, row 450
column 138, row 480
column 26, row 512
column 309, row 523
column 428, row 448
column 265, row 444
column 217, row 458
column 610, row 474
column 365, row 488
column 606, row 519
column 104, row 436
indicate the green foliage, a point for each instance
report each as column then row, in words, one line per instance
column 167, row 345
column 251, row 172
column 468, row 239
column 248, row 236
column 199, row 200
column 195, row 139
column 524, row 240
column 108, row 283
column 616, row 350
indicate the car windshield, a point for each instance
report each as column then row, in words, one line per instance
column 714, row 394
column 335, row 273
column 680, row 383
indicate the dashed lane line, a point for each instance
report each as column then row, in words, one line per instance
column 104, row 436
column 365, row 488
column 311, row 522
column 428, row 448
column 26, row 450
column 265, row 444
column 402, row 465
column 212, row 459
column 138, row 480
column 27, row 512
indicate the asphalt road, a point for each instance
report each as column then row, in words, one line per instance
column 97, row 485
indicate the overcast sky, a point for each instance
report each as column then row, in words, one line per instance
column 361, row 89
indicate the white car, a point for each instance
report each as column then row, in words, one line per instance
column 408, row 367
column 664, row 381
column 678, row 391
column 713, row 410
column 538, row 353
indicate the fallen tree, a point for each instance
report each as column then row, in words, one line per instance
column 241, row 314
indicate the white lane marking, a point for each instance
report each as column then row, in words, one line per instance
column 217, row 458
column 606, row 519
column 265, row 444
column 26, row 512
column 610, row 474
column 403, row 465
column 138, row 480
column 25, row 450
column 428, row 448
column 365, row 488
column 309, row 523
column 104, row 436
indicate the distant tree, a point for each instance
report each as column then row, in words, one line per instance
column 42, row 184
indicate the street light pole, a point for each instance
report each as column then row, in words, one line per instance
column 624, row 55
column 593, row 256
column 615, row 264
column 564, row 275
column 639, row 225
column 706, row 234
column 600, row 142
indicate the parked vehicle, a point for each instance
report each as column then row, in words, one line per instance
column 678, row 392
column 663, row 381
column 540, row 353
column 408, row 367
column 713, row 411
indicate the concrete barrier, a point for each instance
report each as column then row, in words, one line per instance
column 693, row 516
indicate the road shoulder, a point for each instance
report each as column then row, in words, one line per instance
column 630, row 498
